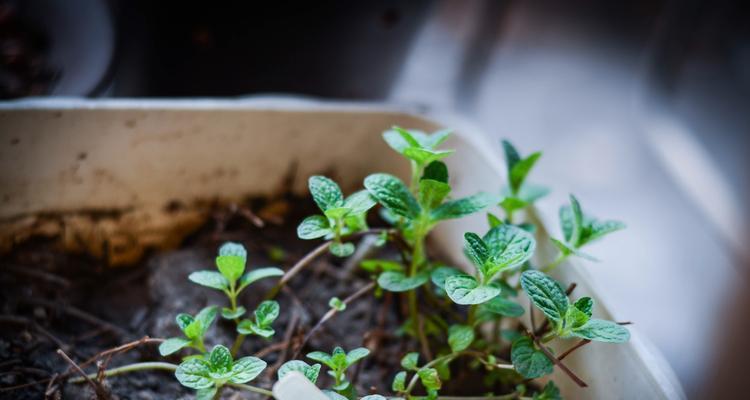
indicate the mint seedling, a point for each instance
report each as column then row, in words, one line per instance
column 194, row 329
column 260, row 324
column 311, row 372
column 209, row 373
column 340, row 216
column 338, row 361
column 518, row 194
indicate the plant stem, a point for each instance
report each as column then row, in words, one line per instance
column 450, row 357
column 560, row 258
column 237, row 344
column 250, row 388
column 416, row 259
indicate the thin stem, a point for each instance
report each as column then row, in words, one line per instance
column 143, row 366
column 574, row 348
column 250, row 388
column 237, row 344
column 450, row 357
column 560, row 258
column 296, row 268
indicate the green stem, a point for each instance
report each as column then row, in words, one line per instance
column 416, row 173
column 450, row 357
column 237, row 344
column 555, row 263
column 250, row 388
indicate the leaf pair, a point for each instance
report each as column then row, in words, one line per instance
column 416, row 145
column 260, row 324
column 518, row 194
column 569, row 320
column 429, row 377
column 338, row 361
column 580, row 229
column 340, row 216
column 311, row 372
column 194, row 329
column 502, row 247
column 207, row 374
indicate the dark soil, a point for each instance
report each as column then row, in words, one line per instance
column 50, row 299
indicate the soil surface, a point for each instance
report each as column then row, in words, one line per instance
column 52, row 300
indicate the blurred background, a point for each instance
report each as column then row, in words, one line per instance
column 641, row 108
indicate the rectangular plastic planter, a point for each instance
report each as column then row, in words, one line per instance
column 128, row 175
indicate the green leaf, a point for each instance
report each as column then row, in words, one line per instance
column 603, row 331
column 325, row 192
column 511, row 155
column 493, row 221
column 502, row 306
column 172, row 345
column 571, row 220
column 360, row 202
column 231, row 267
column 212, row 279
column 436, row 171
column 337, row 304
column 378, row 265
column 322, row 357
column 184, row 320
column 430, row 378
column 233, row 249
column 511, row 204
column 337, row 213
column 313, row 227
column 333, row 395
column 266, row 313
column 258, row 274
column 338, row 358
column 373, row 397
column 395, row 281
column 464, row 289
column 509, row 247
column 246, row 369
column 440, row 274
column 194, row 373
column 206, row 317
column 462, row 207
column 460, row 337
column 585, row 305
column 436, row 138
column 550, row 392
column 567, row 250
column 425, row 156
column 431, row 193
column 528, row 360
column 530, row 193
column 356, row 355
column 310, row 372
column 546, row 294
column 194, row 330
column 340, row 249
column 409, row 361
column 476, row 249
column 393, row 195
column 598, row 229
column 206, row 394
column 228, row 313
column 220, row 359
column 399, row 382
column 574, row 319
column 521, row 169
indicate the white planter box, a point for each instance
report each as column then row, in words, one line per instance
column 135, row 158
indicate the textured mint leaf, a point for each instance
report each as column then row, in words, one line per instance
column 250, row 327
column 340, row 249
column 310, row 372
column 228, row 313
column 399, row 382
column 233, row 249
column 322, row 357
column 502, row 306
column 206, row 317
column 206, row 394
column 462, row 207
column 246, row 369
column 220, row 359
column 603, row 331
column 432, row 193
column 430, row 378
column 258, row 274
column 509, row 247
column 571, row 221
column 212, row 279
column 550, row 392
column 460, row 337
column 546, row 294
column 464, row 289
column 184, row 320
column 393, row 195
column 528, row 360
column 360, row 202
column 476, row 249
column 194, row 373
column 266, row 313
column 325, row 192
column 356, row 355
column 574, row 319
column 585, row 304
column 521, row 169
column 409, row 361
column 194, row 330
column 336, row 304
column 440, row 274
column 394, row 281
column 313, row 227
column 379, row 265
column 172, row 345
column 511, row 155
column 231, row 267
column 436, row 171
column 598, row 229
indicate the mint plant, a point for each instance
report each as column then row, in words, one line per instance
column 208, row 374
column 518, row 194
column 338, row 362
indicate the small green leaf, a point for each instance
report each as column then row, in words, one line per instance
column 246, row 369
column 206, row 394
column 194, row 330
column 571, row 219
column 399, row 382
column 509, row 247
column 493, row 220
column 440, row 274
column 172, row 345
column 393, row 195
column 460, row 337
column 313, row 227
column 356, row 355
column 333, row 395
column 207, row 316
column 465, row 290
column 212, row 279
column 585, row 304
column 258, row 274
column 550, row 392
column 574, row 319
column 512, row 203
column 231, row 267
column 409, row 361
column 337, row 304
column 266, row 313
column 184, row 320
column 340, row 249
column 436, row 138
column 220, row 359
column 233, row 249
column 228, row 313
column 325, row 192
column 430, row 378
column 337, row 213
column 528, row 360
column 395, row 281
column 360, row 202
column 431, row 193
column 436, row 171
column 476, row 249
column 521, row 169
column 598, row 229
column 503, row 306
column 194, row 373
column 462, row 207
column 322, row 357
column 603, row 331
column 378, row 265
column 373, row 397
column 511, row 155
column 338, row 358
column 546, row 294
column 425, row 156
column 311, row 372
